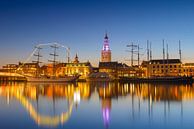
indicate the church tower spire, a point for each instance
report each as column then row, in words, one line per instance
column 106, row 52
column 76, row 59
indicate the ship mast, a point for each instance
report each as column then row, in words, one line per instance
column 38, row 60
column 133, row 51
column 54, row 54
column 180, row 53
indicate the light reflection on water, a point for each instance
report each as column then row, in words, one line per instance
column 96, row 105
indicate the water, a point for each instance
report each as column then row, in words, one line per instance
column 96, row 106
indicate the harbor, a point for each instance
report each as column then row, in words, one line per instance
column 96, row 64
column 10, row 77
column 151, row 70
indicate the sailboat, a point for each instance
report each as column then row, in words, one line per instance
column 54, row 78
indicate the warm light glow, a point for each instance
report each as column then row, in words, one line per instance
column 106, row 116
column 77, row 97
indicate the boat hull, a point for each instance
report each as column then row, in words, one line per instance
column 65, row 79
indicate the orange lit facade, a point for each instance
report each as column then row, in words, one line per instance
column 156, row 68
column 117, row 70
column 75, row 68
column 170, row 67
column 29, row 69
column 9, row 68
column 187, row 69
column 47, row 70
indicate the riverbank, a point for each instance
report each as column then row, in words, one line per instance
column 158, row 80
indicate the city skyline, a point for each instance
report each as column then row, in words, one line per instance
column 81, row 25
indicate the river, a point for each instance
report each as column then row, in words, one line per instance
column 101, row 105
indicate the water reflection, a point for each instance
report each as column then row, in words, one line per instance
column 30, row 96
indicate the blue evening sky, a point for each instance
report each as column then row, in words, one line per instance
column 81, row 25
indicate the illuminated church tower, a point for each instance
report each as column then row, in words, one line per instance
column 106, row 52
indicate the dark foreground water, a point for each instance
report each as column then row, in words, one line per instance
column 96, row 106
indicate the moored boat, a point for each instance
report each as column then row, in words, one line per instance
column 52, row 79
column 99, row 77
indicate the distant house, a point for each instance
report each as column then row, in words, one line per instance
column 117, row 70
column 187, row 69
column 75, row 68
column 167, row 67
column 11, row 68
column 110, row 68
column 31, row 69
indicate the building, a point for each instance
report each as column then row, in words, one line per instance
column 11, row 68
column 47, row 70
column 30, row 69
column 114, row 69
column 117, row 70
column 167, row 67
column 110, row 68
column 124, row 70
column 144, row 68
column 187, row 69
column 106, row 52
column 75, row 68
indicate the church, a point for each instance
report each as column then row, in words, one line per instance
column 113, row 68
column 106, row 52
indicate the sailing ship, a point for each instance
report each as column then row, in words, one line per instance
column 53, row 78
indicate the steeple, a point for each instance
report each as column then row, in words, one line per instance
column 106, row 46
column 76, row 59
column 106, row 36
column 106, row 52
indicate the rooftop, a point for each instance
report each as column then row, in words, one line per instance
column 169, row 61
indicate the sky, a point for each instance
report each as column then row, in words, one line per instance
column 81, row 25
